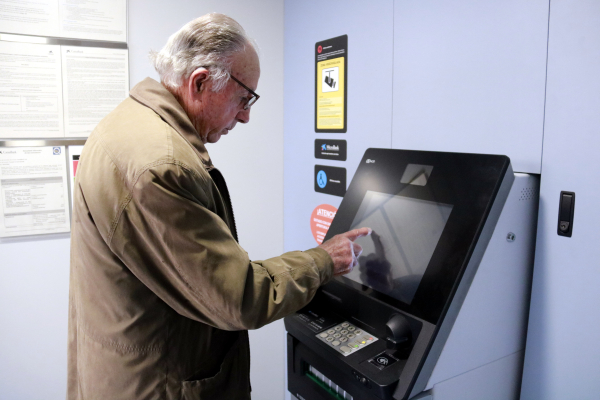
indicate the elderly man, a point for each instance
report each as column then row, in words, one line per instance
column 161, row 292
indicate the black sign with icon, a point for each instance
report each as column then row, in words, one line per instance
column 330, row 180
column 330, row 149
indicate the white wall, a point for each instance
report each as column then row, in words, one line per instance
column 34, row 272
column 34, row 299
column 250, row 157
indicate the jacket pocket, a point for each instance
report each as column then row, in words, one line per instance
column 231, row 382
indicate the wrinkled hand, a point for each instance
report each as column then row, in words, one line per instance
column 343, row 251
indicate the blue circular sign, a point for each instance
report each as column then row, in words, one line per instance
column 321, row 179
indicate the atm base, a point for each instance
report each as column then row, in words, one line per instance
column 312, row 377
column 498, row 380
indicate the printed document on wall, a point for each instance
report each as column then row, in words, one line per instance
column 34, row 192
column 78, row 19
column 29, row 17
column 93, row 19
column 95, row 80
column 30, row 91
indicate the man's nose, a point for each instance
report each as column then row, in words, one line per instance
column 243, row 116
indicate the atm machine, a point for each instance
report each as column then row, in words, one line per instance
column 437, row 307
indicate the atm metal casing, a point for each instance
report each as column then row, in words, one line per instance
column 478, row 187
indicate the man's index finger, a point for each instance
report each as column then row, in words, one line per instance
column 356, row 233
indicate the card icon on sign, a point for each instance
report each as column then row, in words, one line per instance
column 330, row 79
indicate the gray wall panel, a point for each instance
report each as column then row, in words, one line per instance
column 469, row 77
column 563, row 351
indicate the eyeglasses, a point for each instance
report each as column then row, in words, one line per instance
column 248, row 101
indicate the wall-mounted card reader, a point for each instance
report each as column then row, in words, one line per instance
column 566, row 211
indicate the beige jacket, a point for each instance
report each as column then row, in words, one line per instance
column 161, row 293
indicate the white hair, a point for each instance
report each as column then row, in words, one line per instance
column 210, row 42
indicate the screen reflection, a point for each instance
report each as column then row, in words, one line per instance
column 405, row 234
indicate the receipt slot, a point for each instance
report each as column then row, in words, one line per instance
column 437, row 307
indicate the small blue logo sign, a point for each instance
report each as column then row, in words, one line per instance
column 323, row 147
column 321, row 179
column 56, row 151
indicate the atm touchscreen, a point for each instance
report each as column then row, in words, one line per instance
column 405, row 234
column 426, row 210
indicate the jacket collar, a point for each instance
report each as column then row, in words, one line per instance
column 155, row 96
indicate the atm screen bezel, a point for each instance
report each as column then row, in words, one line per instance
column 468, row 182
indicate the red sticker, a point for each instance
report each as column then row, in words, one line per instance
column 320, row 221
column 319, row 49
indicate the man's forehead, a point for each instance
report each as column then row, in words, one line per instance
column 246, row 67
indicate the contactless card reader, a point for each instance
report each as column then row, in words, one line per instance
column 381, row 331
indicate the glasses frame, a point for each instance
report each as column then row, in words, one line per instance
column 252, row 100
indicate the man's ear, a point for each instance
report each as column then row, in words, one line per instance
column 197, row 81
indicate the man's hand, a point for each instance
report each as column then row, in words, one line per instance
column 343, row 251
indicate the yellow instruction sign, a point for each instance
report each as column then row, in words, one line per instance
column 330, row 90
column 330, row 98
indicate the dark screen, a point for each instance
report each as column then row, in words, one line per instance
column 405, row 234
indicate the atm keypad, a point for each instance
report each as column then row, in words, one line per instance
column 346, row 338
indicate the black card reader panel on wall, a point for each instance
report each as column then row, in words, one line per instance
column 566, row 212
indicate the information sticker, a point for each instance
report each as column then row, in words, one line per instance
column 33, row 191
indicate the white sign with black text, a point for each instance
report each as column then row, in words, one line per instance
column 33, row 189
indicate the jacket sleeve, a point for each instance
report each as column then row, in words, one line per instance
column 170, row 239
